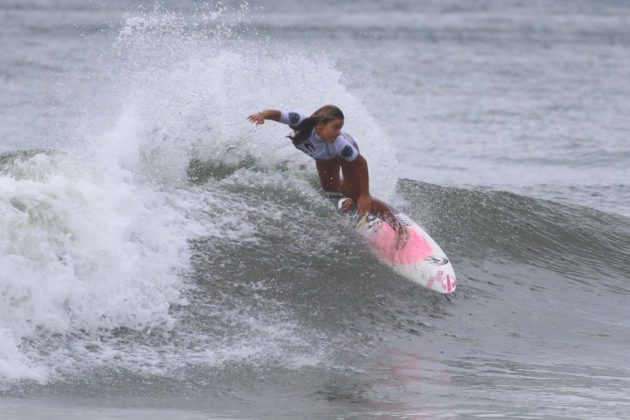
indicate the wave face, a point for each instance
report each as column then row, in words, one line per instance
column 246, row 272
column 113, row 244
column 157, row 250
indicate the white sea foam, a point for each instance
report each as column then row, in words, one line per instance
column 79, row 253
column 85, row 252
column 97, row 238
column 187, row 92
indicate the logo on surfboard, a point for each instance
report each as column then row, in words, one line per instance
column 448, row 283
column 436, row 260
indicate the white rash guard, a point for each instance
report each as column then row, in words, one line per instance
column 344, row 146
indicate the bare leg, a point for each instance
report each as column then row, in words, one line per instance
column 381, row 210
column 328, row 171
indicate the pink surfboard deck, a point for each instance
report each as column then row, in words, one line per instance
column 420, row 260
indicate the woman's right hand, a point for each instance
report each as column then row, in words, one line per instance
column 364, row 204
column 257, row 119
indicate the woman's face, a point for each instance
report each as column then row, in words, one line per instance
column 329, row 131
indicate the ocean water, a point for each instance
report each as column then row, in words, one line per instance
column 160, row 257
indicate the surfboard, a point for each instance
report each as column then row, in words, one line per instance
column 420, row 260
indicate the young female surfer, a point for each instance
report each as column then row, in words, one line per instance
column 320, row 137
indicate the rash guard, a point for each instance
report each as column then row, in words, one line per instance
column 344, row 146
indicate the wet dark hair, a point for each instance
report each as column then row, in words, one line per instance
column 325, row 114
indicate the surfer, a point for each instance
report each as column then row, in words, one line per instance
column 320, row 137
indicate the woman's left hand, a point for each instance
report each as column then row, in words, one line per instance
column 364, row 204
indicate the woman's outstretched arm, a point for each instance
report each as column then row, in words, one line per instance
column 267, row 114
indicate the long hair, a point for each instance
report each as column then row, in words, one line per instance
column 325, row 114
